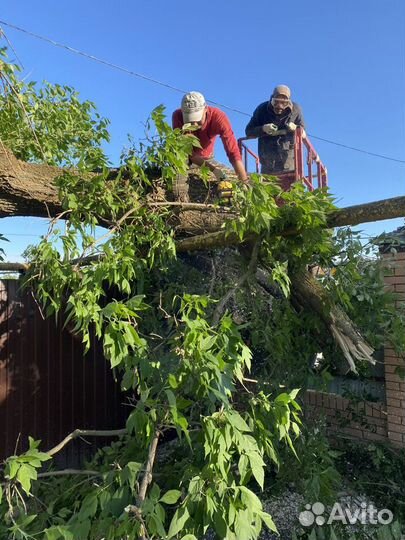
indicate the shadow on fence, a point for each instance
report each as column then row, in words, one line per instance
column 48, row 387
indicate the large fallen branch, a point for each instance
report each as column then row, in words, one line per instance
column 27, row 189
column 351, row 215
column 308, row 294
column 307, row 291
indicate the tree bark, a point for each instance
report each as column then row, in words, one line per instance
column 308, row 293
column 28, row 189
column 365, row 213
column 351, row 215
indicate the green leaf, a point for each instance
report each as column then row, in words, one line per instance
column 52, row 533
column 130, row 472
column 25, row 474
column 243, row 466
column 250, row 499
column 243, row 527
column 268, row 521
column 294, row 393
column 81, row 529
column 136, row 302
column 237, row 421
column 220, row 525
column 178, row 521
column 89, row 506
column 257, row 465
column 29, row 519
column 171, row 496
column 12, row 467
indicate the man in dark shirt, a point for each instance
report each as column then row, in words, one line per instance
column 276, row 152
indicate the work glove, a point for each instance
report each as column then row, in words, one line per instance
column 270, row 129
column 219, row 174
column 291, row 126
column 246, row 184
column 188, row 128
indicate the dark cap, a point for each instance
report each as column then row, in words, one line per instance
column 283, row 90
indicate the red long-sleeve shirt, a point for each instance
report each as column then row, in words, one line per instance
column 216, row 123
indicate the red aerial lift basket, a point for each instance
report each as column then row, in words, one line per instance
column 308, row 167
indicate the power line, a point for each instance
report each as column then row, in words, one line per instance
column 3, row 34
column 18, row 234
column 176, row 89
column 112, row 65
column 357, row 149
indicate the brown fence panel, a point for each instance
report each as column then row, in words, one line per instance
column 48, row 387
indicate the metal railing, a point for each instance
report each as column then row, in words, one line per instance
column 308, row 167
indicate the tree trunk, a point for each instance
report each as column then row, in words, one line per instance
column 27, row 189
column 308, row 293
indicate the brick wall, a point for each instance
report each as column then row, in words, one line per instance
column 394, row 384
column 370, row 421
column 365, row 420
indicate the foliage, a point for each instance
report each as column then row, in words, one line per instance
column 392, row 531
column 184, row 386
column 266, row 211
column 355, row 280
column 315, row 474
column 377, row 470
column 48, row 123
column 200, row 444
column 2, row 253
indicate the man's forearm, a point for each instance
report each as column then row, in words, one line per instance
column 240, row 170
column 200, row 161
column 254, row 132
column 237, row 165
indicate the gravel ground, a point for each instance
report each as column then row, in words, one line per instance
column 285, row 510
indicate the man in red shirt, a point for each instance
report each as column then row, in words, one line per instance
column 211, row 122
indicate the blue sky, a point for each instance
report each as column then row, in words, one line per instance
column 344, row 61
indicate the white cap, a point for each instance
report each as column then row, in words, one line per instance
column 193, row 107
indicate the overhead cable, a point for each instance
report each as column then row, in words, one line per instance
column 176, row 89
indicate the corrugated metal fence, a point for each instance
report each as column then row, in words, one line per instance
column 48, row 387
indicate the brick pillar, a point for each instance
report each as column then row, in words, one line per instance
column 394, row 384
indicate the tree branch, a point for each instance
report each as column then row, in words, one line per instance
column 351, row 215
column 13, row 267
column 228, row 295
column 66, row 472
column 85, row 433
column 310, row 294
column 28, row 189
column 147, row 477
column 194, row 206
